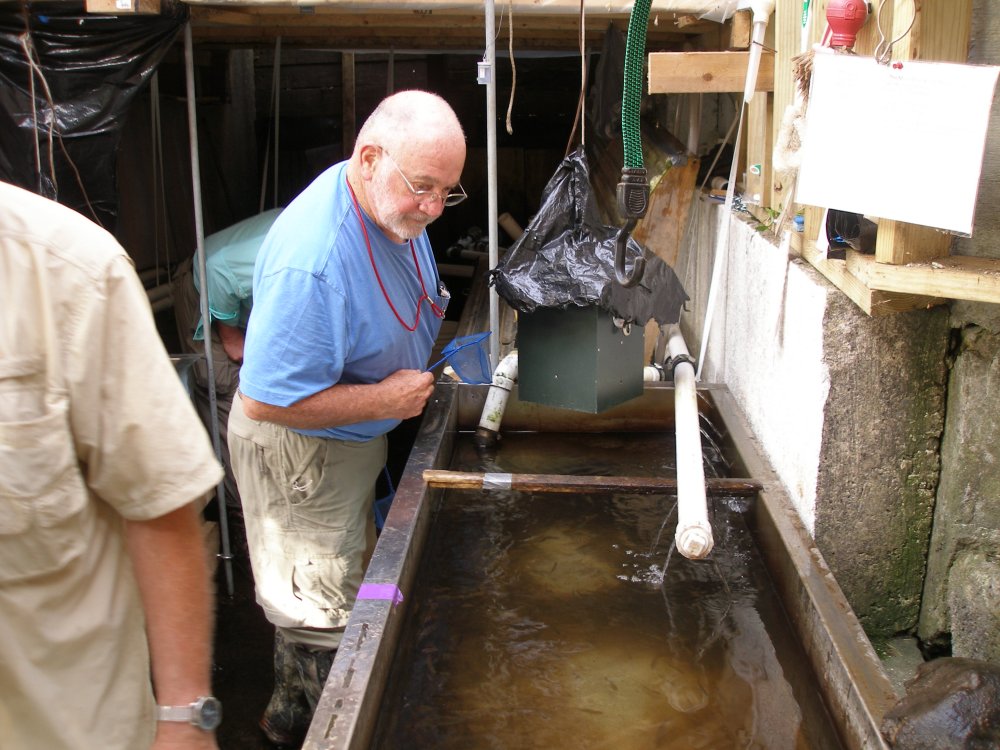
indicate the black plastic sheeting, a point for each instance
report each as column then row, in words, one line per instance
column 566, row 257
column 87, row 70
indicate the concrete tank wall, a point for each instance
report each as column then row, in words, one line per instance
column 849, row 409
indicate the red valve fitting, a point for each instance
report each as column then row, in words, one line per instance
column 846, row 17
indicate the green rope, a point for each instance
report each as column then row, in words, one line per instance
column 635, row 52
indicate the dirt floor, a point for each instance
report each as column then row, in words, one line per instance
column 242, row 676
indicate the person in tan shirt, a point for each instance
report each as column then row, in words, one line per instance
column 106, row 608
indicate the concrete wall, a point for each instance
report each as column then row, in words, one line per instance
column 961, row 600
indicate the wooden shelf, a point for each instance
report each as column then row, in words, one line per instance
column 883, row 288
column 953, row 277
column 912, row 267
column 874, row 302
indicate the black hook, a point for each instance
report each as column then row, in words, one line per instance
column 632, row 278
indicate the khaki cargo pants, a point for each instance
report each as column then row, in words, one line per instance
column 307, row 504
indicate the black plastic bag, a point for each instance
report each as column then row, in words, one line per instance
column 566, row 257
column 78, row 75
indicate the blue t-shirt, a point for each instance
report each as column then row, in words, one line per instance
column 320, row 316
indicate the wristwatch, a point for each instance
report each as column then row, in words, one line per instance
column 205, row 713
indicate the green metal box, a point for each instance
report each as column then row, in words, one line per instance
column 577, row 359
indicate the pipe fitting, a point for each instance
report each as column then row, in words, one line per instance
column 673, row 362
column 488, row 433
column 694, row 542
column 653, row 374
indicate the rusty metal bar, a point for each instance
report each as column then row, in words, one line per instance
column 473, row 480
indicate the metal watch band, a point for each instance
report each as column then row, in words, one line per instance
column 175, row 713
column 204, row 713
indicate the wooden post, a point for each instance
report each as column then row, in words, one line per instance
column 349, row 117
column 760, row 147
column 760, row 138
column 787, row 22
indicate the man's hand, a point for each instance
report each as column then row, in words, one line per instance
column 406, row 392
column 171, row 567
column 232, row 339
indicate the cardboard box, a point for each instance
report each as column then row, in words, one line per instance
column 116, row 7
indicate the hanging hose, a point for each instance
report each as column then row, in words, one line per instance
column 633, row 190
column 635, row 51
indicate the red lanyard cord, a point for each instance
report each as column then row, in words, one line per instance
column 435, row 308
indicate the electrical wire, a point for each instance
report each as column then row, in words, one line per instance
column 579, row 118
column 513, row 66
column 25, row 46
column 35, row 69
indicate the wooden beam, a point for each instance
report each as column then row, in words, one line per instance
column 787, row 25
column 664, row 12
column 433, row 35
column 560, row 483
column 759, row 150
column 704, row 72
column 334, row 38
column 740, row 30
column 663, row 228
column 403, row 26
column 900, row 243
column 348, row 117
column 329, row 17
column 874, row 302
column 955, row 277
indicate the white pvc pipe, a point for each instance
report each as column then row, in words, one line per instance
column 510, row 226
column 653, row 374
column 694, row 533
column 158, row 292
column 753, row 65
column 504, row 378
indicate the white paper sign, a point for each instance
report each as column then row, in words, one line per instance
column 901, row 141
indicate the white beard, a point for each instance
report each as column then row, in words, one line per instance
column 408, row 226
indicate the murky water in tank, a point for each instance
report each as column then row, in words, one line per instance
column 556, row 621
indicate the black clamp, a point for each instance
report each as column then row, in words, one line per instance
column 671, row 364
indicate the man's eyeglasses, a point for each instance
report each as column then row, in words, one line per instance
column 430, row 196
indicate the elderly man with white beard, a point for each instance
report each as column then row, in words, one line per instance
column 347, row 306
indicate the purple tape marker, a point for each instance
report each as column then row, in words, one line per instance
column 384, row 591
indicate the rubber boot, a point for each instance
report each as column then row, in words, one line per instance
column 288, row 713
column 314, row 667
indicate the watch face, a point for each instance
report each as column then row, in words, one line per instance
column 208, row 714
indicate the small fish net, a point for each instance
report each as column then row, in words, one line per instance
column 469, row 358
